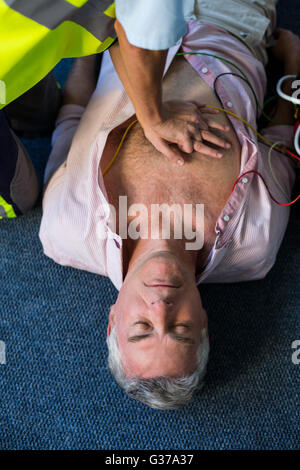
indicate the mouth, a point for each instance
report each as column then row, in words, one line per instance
column 162, row 284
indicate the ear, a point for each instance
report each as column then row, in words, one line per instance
column 111, row 319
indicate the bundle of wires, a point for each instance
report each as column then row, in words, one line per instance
column 260, row 108
column 296, row 102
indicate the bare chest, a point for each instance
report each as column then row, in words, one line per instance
column 146, row 177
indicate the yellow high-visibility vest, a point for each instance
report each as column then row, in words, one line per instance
column 36, row 34
column 6, row 210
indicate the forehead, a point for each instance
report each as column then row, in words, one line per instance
column 153, row 358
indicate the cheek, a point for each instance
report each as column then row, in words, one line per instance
column 123, row 347
column 122, row 331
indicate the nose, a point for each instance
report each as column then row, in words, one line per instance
column 160, row 310
column 162, row 302
column 161, row 307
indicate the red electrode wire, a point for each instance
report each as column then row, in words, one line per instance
column 271, row 196
column 291, row 153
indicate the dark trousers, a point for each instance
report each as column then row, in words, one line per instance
column 19, row 186
column 31, row 115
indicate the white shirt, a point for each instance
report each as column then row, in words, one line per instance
column 251, row 226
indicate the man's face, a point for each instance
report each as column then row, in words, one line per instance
column 159, row 319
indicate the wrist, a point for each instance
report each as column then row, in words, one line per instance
column 150, row 116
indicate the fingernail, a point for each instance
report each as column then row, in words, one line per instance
column 220, row 155
column 227, row 128
column 180, row 162
column 228, row 146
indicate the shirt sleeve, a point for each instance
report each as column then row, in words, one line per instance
column 152, row 24
column 66, row 125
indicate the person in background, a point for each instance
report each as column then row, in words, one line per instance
column 34, row 37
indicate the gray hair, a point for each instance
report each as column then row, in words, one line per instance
column 159, row 392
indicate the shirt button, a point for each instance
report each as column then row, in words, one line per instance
column 204, row 70
column 243, row 34
column 245, row 180
column 226, row 218
column 229, row 104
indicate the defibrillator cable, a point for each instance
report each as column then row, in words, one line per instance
column 119, row 147
column 267, row 187
column 242, row 78
column 253, row 129
column 261, row 108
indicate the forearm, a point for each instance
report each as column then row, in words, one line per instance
column 141, row 73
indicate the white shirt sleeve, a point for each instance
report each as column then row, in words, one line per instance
column 153, row 24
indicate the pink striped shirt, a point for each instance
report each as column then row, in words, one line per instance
column 250, row 228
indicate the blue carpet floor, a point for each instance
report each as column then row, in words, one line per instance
column 56, row 391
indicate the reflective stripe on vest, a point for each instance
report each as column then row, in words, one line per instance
column 6, row 210
column 35, row 36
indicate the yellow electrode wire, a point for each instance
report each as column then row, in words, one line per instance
column 274, row 146
column 119, row 148
column 245, row 122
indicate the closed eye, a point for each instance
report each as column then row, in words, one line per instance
column 182, row 327
column 176, row 337
column 143, row 325
column 136, row 338
column 182, row 339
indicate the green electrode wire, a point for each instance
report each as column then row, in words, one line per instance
column 261, row 108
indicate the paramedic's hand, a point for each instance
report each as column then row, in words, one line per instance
column 183, row 128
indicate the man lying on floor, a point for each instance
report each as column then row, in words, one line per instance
column 157, row 330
